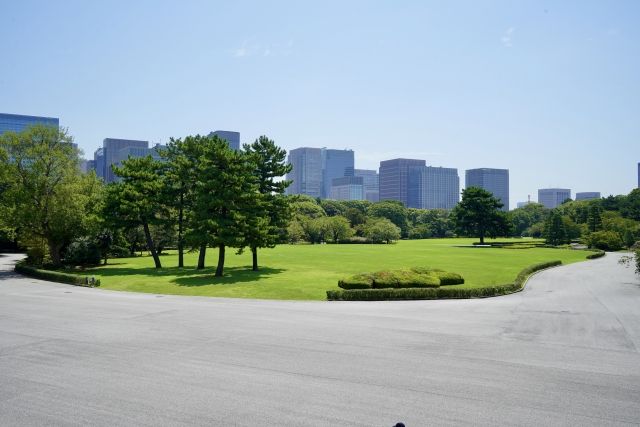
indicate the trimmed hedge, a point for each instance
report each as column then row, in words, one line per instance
column 56, row 276
column 404, row 279
column 596, row 254
column 447, row 278
column 358, row 281
column 439, row 293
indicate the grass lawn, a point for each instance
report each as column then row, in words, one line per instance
column 306, row 272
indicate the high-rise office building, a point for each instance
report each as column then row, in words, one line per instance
column 347, row 188
column 496, row 181
column 370, row 183
column 638, row 174
column 394, row 178
column 335, row 164
column 553, row 197
column 306, row 172
column 232, row 138
column 113, row 156
column 588, row 195
column 18, row 122
column 98, row 162
column 433, row 187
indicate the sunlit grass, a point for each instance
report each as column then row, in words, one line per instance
column 306, row 272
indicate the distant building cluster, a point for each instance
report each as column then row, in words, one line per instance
column 331, row 174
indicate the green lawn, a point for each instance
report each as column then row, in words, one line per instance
column 305, row 272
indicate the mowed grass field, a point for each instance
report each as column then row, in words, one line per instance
column 306, row 272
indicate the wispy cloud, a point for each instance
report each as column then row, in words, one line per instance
column 507, row 37
column 248, row 48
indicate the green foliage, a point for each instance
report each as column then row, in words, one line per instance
column 392, row 210
column 478, row 214
column 524, row 218
column 448, row 278
column 55, row 276
column 554, row 232
column 337, row 228
column 594, row 218
column 630, row 205
column 82, row 251
column 357, row 281
column 45, row 196
column 438, row 293
column 417, row 277
column 605, row 240
column 381, row 230
column 596, row 254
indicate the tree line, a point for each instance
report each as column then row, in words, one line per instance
column 203, row 195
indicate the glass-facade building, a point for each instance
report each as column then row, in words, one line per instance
column 18, row 122
column 306, row 172
column 553, row 197
column 370, row 183
column 347, row 188
column 232, row 138
column 111, row 155
column 335, row 164
column 394, row 178
column 496, row 181
column 433, row 187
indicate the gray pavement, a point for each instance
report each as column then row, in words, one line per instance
column 562, row 352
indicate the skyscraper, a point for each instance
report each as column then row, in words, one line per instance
column 553, row 197
column 496, row 181
column 17, row 122
column 394, row 180
column 347, row 188
column 111, row 149
column 433, row 187
column 370, row 183
column 588, row 195
column 232, row 138
column 638, row 174
column 335, row 164
column 306, row 174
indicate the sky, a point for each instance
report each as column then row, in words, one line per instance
column 549, row 90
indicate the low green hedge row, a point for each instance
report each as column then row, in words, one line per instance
column 56, row 276
column 418, row 277
column 596, row 254
column 438, row 293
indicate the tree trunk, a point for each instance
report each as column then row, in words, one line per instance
column 220, row 268
column 180, row 242
column 54, row 253
column 482, row 237
column 105, row 258
column 203, row 252
column 152, row 248
column 254, row 256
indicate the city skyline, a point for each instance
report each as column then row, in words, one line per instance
column 546, row 91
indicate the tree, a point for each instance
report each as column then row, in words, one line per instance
column 394, row 211
column 45, row 196
column 381, row 230
column 594, row 218
column 271, row 212
column 523, row 218
column 630, row 206
column 555, row 233
column 225, row 193
column 137, row 198
column 338, row 228
column 478, row 214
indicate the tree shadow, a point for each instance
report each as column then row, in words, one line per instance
column 189, row 276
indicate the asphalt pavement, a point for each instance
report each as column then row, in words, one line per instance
column 562, row 352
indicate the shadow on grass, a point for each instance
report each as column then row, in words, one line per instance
column 189, row 276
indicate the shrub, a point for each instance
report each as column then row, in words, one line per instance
column 605, row 240
column 358, row 281
column 447, row 278
column 119, row 252
column 596, row 254
column 55, row 276
column 438, row 293
column 82, row 251
column 404, row 279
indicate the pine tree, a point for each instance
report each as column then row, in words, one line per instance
column 555, row 233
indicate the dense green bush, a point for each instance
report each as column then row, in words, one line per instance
column 438, row 293
column 82, row 251
column 605, row 240
column 357, row 281
column 596, row 254
column 116, row 251
column 55, row 276
column 447, row 278
column 404, row 279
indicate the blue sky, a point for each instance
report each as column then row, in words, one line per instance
column 549, row 90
